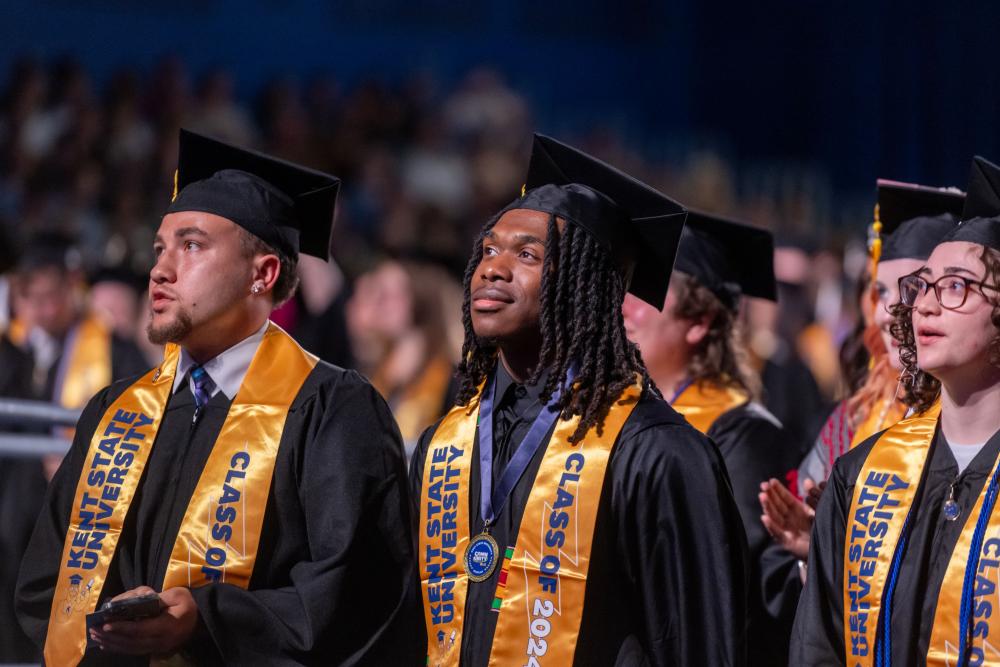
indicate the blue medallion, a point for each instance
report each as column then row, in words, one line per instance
column 481, row 557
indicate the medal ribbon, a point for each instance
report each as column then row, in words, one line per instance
column 875, row 533
column 702, row 403
column 491, row 504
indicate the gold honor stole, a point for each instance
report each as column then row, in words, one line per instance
column 88, row 368
column 704, row 402
column 883, row 494
column 984, row 621
column 544, row 575
column 218, row 538
column 885, row 411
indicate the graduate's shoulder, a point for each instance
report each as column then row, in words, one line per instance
column 328, row 382
column 655, row 430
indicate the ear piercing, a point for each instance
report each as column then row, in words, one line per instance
column 256, row 288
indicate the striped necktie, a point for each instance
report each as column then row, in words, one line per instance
column 202, row 386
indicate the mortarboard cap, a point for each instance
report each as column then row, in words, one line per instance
column 287, row 206
column 639, row 226
column 915, row 218
column 981, row 215
column 728, row 257
column 120, row 274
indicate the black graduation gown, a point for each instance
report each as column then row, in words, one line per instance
column 667, row 580
column 792, row 395
column 334, row 580
column 818, row 634
column 22, row 487
column 755, row 448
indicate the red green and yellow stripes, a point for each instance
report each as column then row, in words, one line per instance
column 502, row 580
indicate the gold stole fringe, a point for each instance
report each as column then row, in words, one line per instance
column 883, row 495
column 704, row 402
column 88, row 369
column 546, row 576
column 229, row 499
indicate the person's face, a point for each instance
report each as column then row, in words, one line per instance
column 887, row 294
column 662, row 337
column 49, row 297
column 505, row 289
column 393, row 301
column 954, row 344
column 117, row 306
column 201, row 280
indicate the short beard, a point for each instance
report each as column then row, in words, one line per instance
column 171, row 332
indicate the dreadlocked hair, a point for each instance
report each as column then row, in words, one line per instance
column 581, row 326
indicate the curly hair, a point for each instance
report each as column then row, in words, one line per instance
column 721, row 356
column 921, row 388
column 581, row 326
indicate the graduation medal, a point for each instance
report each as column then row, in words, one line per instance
column 212, row 543
column 481, row 557
column 540, row 588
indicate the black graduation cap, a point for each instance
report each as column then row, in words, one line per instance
column 915, row 218
column 287, row 206
column 119, row 273
column 981, row 215
column 50, row 250
column 728, row 257
column 639, row 226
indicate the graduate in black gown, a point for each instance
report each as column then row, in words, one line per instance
column 667, row 568
column 333, row 578
column 917, row 595
column 694, row 351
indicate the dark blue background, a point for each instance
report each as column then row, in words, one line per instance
column 906, row 90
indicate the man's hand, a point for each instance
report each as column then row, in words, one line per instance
column 788, row 520
column 161, row 635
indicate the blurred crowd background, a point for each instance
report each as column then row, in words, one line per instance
column 780, row 114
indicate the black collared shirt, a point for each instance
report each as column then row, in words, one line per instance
column 515, row 407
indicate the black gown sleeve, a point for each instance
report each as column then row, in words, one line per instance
column 351, row 598
column 36, row 581
column 818, row 633
column 682, row 545
column 756, row 448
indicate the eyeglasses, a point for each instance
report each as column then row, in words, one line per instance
column 951, row 290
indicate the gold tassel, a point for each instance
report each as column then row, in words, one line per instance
column 524, row 188
column 173, row 197
column 875, row 244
